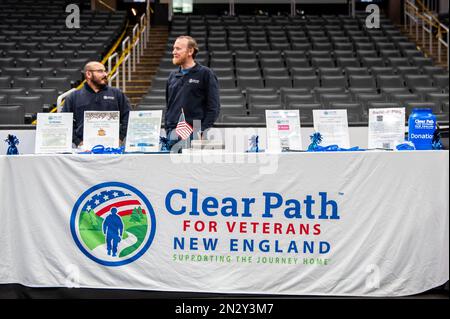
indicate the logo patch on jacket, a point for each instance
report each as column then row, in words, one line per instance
column 108, row 97
column 194, row 81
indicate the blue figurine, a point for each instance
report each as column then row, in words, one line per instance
column 166, row 144
column 316, row 139
column 12, row 142
column 436, row 143
column 254, row 144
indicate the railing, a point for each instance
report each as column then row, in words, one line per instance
column 443, row 30
column 418, row 16
column 119, row 65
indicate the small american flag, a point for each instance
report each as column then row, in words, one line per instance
column 183, row 129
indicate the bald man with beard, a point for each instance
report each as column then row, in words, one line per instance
column 96, row 95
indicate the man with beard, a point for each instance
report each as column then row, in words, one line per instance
column 96, row 95
column 192, row 89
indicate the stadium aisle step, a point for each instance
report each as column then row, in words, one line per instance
column 149, row 61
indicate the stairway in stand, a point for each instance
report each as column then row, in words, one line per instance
column 424, row 45
column 141, row 79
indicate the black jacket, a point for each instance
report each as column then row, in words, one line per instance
column 107, row 99
column 197, row 92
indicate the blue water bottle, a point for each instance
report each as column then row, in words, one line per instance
column 421, row 127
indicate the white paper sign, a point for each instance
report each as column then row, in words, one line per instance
column 101, row 128
column 54, row 133
column 283, row 130
column 386, row 127
column 144, row 129
column 333, row 126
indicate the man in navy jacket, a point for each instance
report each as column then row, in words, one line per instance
column 193, row 88
column 96, row 95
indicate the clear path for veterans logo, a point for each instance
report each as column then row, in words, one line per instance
column 102, row 253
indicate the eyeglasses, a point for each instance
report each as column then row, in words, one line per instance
column 101, row 71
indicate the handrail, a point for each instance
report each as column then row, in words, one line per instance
column 60, row 98
column 131, row 50
column 107, row 6
column 113, row 75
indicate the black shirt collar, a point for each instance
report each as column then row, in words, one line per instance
column 89, row 89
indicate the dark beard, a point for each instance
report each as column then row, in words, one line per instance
column 98, row 84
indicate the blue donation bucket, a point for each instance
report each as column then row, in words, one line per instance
column 421, row 127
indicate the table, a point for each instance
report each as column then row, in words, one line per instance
column 342, row 224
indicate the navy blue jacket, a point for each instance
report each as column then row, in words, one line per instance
column 197, row 92
column 107, row 99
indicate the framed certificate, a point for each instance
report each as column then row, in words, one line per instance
column 54, row 133
column 283, row 130
column 333, row 126
column 386, row 127
column 144, row 128
column 101, row 128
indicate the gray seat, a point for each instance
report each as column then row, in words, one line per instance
column 308, row 82
column 232, row 104
column 355, row 111
column 28, row 62
column 32, row 103
column 388, row 70
column 440, row 98
column 327, row 99
column 12, row 114
column 261, row 103
column 49, row 96
column 275, row 72
column 62, row 84
column 250, row 81
column 305, row 109
column 372, row 62
column 390, row 81
column 334, row 81
column 225, row 82
column 322, row 62
column 246, row 63
column 284, row 92
column 299, row 98
column 14, row 71
column 303, row 71
column 414, row 81
column 153, row 100
column 435, row 107
column 257, row 119
column 5, row 81
column 27, row 82
column 7, row 62
column 362, row 81
column 421, row 61
column 441, row 81
column 275, row 81
column 299, row 62
column 74, row 74
column 271, row 62
column 408, row 70
column 41, row 72
column 53, row 63
column 356, row 71
column 383, row 105
column 330, row 72
column 221, row 63
column 405, row 98
column 366, row 98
